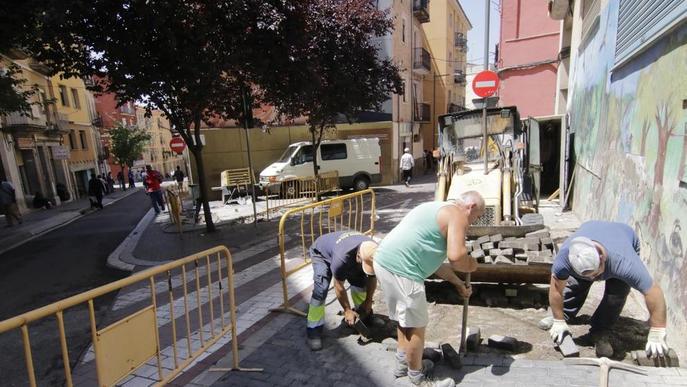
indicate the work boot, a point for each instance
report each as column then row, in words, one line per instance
column 602, row 345
column 402, row 367
column 314, row 338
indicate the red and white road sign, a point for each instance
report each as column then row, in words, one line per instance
column 485, row 83
column 177, row 145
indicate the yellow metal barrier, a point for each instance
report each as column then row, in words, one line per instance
column 175, row 207
column 299, row 190
column 127, row 344
column 354, row 211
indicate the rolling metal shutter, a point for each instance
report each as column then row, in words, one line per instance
column 640, row 22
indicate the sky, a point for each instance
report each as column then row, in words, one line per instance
column 475, row 12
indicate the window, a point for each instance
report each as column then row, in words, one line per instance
column 82, row 137
column 403, row 30
column 75, row 97
column 640, row 25
column 404, row 91
column 333, row 151
column 304, row 155
column 72, row 140
column 64, row 98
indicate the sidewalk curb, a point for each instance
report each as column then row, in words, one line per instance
column 78, row 214
column 122, row 258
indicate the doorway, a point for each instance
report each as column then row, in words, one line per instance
column 550, row 140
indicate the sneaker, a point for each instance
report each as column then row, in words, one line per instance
column 314, row 339
column 425, row 380
column 546, row 323
column 402, row 367
column 602, row 345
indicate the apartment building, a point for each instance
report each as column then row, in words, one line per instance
column 33, row 153
column 110, row 114
column 158, row 153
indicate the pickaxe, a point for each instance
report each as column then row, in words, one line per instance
column 605, row 364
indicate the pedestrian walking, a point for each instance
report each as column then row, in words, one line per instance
column 8, row 203
column 143, row 175
column 179, row 177
column 152, row 183
column 429, row 161
column 603, row 251
column 407, row 164
column 120, row 179
column 96, row 190
column 415, row 249
column 110, row 183
column 346, row 256
column 132, row 184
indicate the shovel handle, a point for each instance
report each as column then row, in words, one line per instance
column 464, row 328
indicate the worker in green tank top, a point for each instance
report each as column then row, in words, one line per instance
column 415, row 249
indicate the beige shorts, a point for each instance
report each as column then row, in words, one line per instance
column 405, row 298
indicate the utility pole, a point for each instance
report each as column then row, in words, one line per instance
column 486, row 67
column 246, row 110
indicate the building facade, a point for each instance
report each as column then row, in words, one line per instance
column 74, row 115
column 32, row 147
column 158, row 153
column 627, row 130
column 110, row 115
column 445, row 36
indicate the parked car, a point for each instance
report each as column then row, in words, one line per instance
column 357, row 161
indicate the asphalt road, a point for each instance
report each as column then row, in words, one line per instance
column 59, row 264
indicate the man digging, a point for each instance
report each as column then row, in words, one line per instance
column 415, row 249
column 603, row 251
column 345, row 255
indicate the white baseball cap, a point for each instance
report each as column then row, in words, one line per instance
column 407, row 150
column 583, row 255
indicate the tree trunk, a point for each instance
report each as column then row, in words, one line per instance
column 316, row 140
column 197, row 150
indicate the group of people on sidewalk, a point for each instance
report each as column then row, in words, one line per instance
column 434, row 232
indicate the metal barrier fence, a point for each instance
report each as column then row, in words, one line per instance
column 175, row 208
column 299, row 190
column 354, row 211
column 122, row 346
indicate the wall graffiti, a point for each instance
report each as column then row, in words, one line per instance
column 631, row 148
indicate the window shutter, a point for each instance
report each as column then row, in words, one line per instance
column 641, row 22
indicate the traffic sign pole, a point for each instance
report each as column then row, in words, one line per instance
column 486, row 68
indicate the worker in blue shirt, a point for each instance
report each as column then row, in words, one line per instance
column 603, row 251
column 346, row 256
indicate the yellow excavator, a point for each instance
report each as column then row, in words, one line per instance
column 505, row 169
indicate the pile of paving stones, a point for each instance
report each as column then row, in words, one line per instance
column 535, row 248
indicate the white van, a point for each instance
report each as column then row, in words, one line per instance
column 357, row 162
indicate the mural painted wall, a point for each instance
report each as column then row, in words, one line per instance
column 631, row 149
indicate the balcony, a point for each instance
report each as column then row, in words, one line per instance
column 421, row 10
column 34, row 120
column 422, row 61
column 460, row 42
column 453, row 108
column 422, row 112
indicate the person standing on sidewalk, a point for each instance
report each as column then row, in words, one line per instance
column 8, row 203
column 96, row 188
column 407, row 164
column 603, row 251
column 132, row 183
column 152, row 182
column 415, row 249
column 345, row 255
column 179, row 177
column 120, row 179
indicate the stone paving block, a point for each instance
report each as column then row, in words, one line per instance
column 507, row 253
column 503, row 342
column 496, row 238
column 477, row 254
column 488, row 259
column 502, row 260
column 483, row 239
column 487, row 246
column 473, row 339
column 543, row 233
column 495, row 252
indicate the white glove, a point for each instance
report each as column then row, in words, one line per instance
column 558, row 329
column 656, row 342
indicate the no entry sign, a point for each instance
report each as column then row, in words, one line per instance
column 177, row 145
column 485, row 83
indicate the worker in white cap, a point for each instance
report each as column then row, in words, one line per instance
column 603, row 251
column 407, row 164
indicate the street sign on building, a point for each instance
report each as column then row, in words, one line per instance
column 177, row 145
column 485, row 83
column 60, row 152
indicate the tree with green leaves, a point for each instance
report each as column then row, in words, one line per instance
column 329, row 64
column 127, row 145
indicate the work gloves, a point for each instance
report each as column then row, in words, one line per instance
column 558, row 329
column 656, row 342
